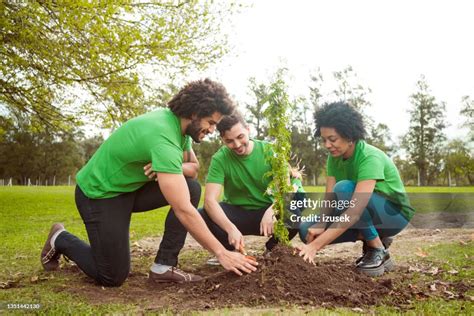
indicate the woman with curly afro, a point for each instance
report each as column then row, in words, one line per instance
column 365, row 188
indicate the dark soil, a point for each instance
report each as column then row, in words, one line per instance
column 282, row 279
column 285, row 278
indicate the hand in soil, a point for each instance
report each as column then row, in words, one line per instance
column 267, row 223
column 237, row 262
column 308, row 252
column 244, row 252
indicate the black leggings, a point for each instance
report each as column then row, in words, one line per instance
column 107, row 221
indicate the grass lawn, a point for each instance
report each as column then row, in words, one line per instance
column 26, row 214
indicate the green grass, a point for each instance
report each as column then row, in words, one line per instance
column 26, row 214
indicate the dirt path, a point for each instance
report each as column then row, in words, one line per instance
column 406, row 244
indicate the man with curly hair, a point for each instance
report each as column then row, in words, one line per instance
column 364, row 176
column 239, row 170
column 112, row 186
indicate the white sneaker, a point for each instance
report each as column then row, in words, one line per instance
column 213, row 262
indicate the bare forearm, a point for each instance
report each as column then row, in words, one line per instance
column 190, row 169
column 216, row 213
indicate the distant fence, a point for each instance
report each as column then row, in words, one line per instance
column 37, row 182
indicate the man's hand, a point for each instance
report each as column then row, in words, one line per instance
column 237, row 262
column 308, row 252
column 267, row 222
column 235, row 238
column 313, row 233
column 149, row 173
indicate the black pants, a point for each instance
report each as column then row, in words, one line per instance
column 247, row 222
column 107, row 221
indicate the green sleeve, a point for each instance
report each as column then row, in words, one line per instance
column 216, row 171
column 330, row 167
column 297, row 182
column 188, row 144
column 167, row 158
column 371, row 168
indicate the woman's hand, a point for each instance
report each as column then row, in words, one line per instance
column 308, row 252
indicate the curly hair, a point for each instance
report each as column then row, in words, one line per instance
column 343, row 117
column 229, row 121
column 201, row 98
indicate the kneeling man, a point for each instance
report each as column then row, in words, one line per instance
column 111, row 186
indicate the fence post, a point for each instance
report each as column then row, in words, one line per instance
column 10, row 182
column 54, row 180
column 29, row 182
column 69, row 180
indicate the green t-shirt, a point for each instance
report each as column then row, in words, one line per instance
column 117, row 166
column 243, row 177
column 370, row 163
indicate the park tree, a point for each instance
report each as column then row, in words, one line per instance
column 380, row 137
column 301, row 136
column 89, row 146
column 459, row 163
column 407, row 169
column 317, row 160
column 260, row 94
column 349, row 88
column 64, row 59
column 38, row 155
column 467, row 111
column 204, row 152
column 425, row 138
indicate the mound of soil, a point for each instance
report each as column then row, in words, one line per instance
column 283, row 277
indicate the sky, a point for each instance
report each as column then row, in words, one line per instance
column 389, row 44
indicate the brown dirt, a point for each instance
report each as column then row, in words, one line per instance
column 282, row 279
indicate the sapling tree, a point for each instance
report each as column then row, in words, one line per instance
column 277, row 115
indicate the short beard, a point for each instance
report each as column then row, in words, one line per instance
column 246, row 147
column 193, row 130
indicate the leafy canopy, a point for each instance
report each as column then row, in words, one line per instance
column 64, row 59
